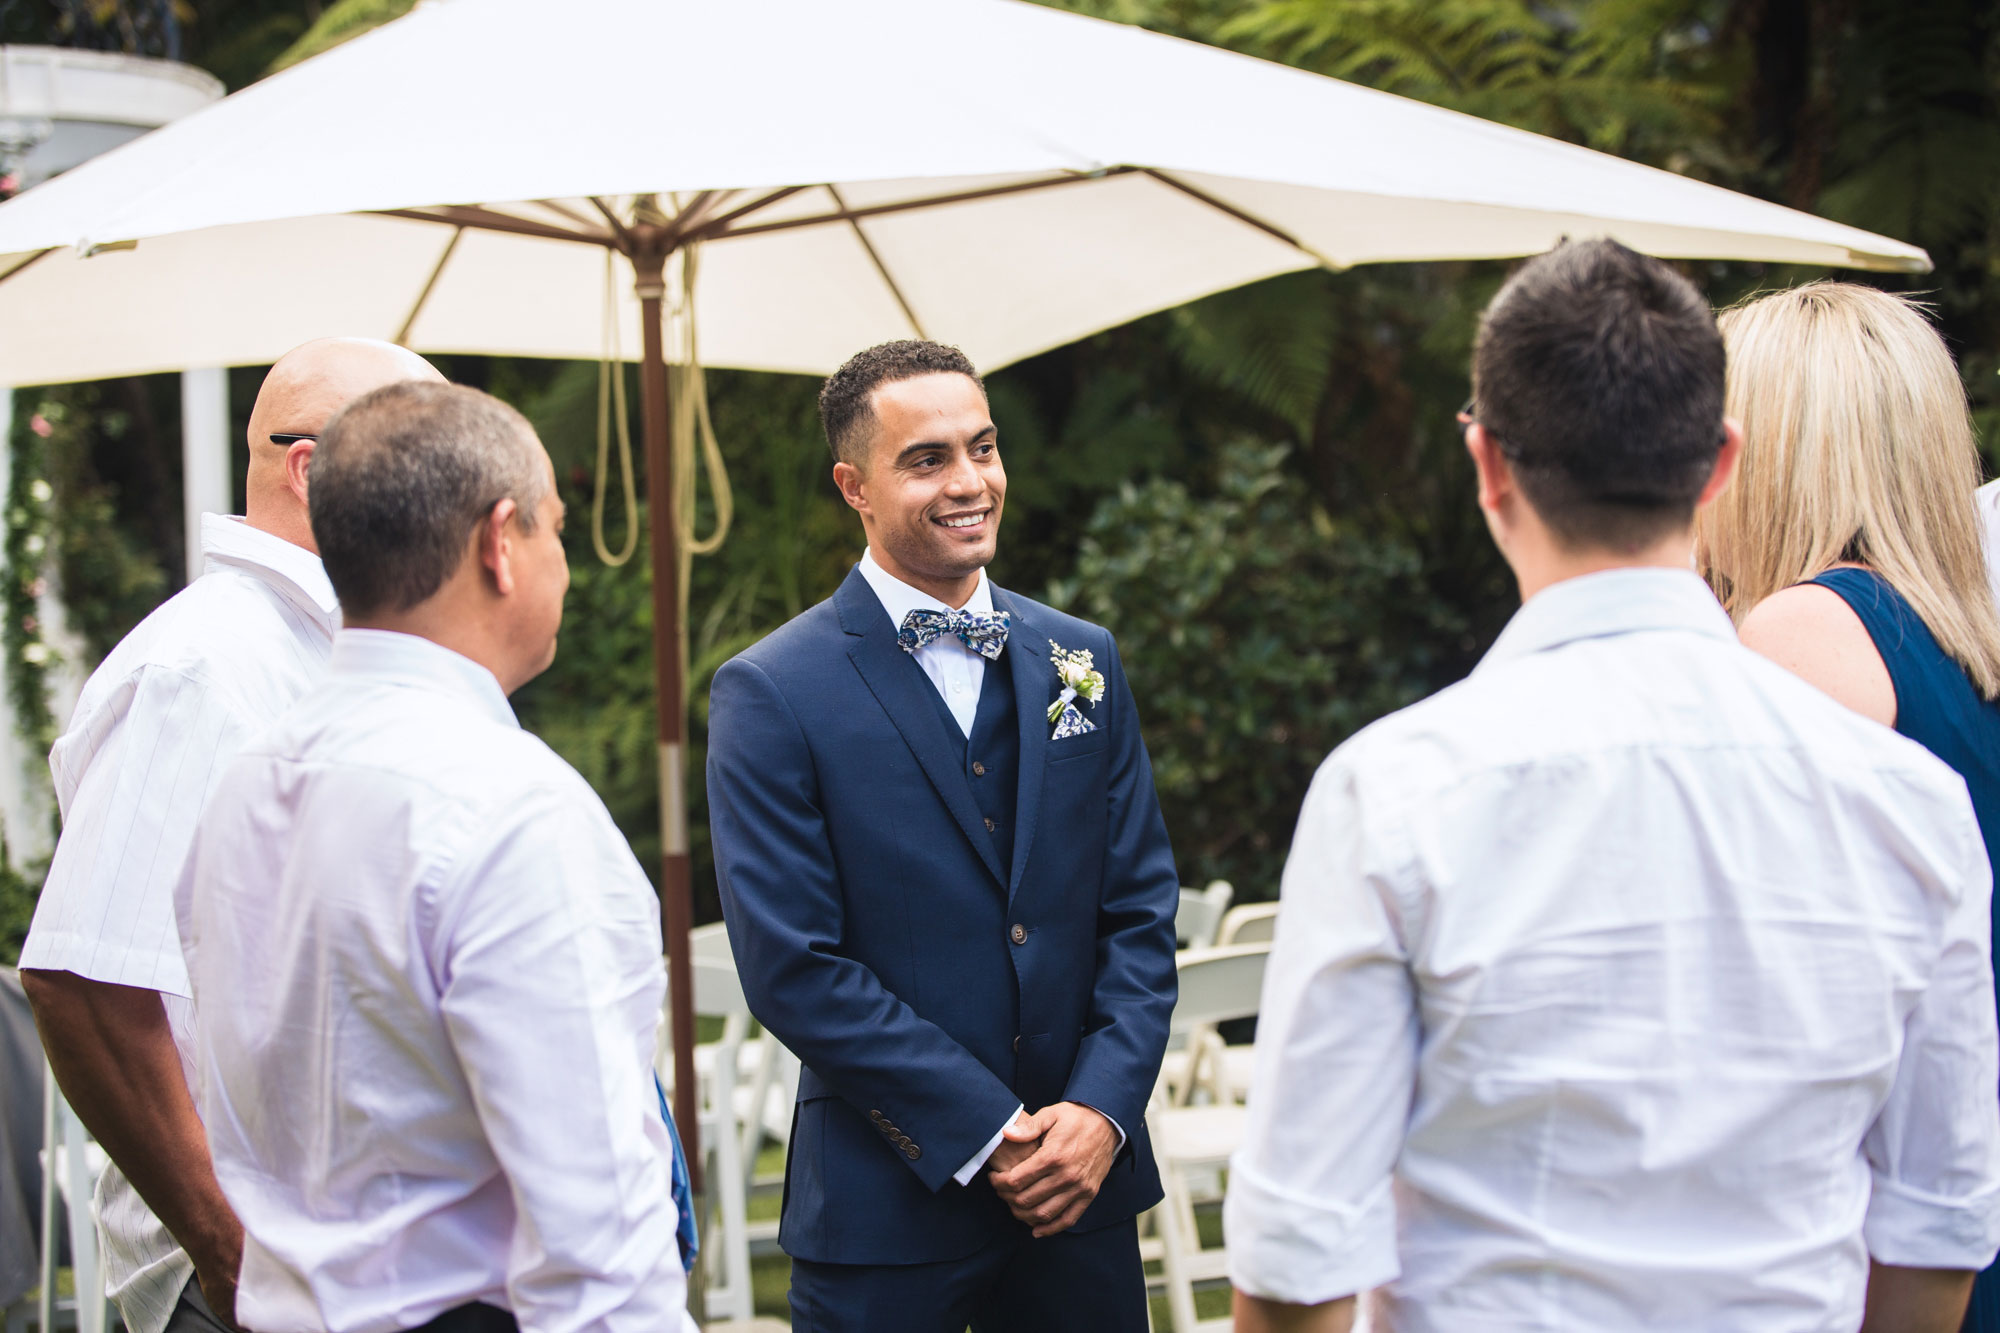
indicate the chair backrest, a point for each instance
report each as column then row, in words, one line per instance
column 1218, row 985
column 718, row 991
column 1252, row 923
column 1200, row 913
column 711, row 941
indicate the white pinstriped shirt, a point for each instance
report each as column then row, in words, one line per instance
column 154, row 726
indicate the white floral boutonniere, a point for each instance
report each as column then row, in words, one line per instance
column 1081, row 680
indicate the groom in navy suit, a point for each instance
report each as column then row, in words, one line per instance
column 950, row 892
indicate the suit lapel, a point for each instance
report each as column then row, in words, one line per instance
column 1032, row 679
column 901, row 687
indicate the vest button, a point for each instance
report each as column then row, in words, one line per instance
column 1019, row 934
column 1017, row 1045
column 990, row 826
column 978, row 769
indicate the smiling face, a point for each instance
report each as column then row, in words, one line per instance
column 930, row 485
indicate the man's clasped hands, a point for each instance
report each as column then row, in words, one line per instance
column 1049, row 1165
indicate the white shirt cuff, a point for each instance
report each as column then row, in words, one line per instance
column 978, row 1159
column 1114, row 1124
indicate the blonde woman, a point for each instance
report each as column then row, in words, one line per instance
column 1848, row 549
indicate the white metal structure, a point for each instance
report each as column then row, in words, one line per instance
column 60, row 107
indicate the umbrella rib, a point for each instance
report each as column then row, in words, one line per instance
column 715, row 225
column 430, row 284
column 933, row 201
column 618, row 229
column 25, row 263
column 888, row 279
column 565, row 212
column 1248, row 219
column 486, row 219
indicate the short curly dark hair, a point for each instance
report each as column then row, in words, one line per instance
column 844, row 400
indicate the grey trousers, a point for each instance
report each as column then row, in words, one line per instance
column 192, row 1315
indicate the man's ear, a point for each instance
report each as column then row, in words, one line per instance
column 1726, row 459
column 853, row 486
column 496, row 545
column 298, row 462
column 1496, row 478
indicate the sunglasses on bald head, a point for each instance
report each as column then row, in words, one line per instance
column 286, row 440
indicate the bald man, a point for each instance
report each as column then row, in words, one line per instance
column 163, row 714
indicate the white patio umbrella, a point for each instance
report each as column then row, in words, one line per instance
column 990, row 173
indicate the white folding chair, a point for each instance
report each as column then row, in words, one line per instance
column 718, row 993
column 767, row 1085
column 1217, row 985
column 1200, row 913
column 1248, row 923
column 71, row 1163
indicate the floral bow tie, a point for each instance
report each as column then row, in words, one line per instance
column 985, row 635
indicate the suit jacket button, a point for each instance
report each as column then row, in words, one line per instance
column 1019, row 934
column 912, row 1151
column 978, row 769
column 876, row 1116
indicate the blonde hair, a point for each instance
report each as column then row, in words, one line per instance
column 1857, row 446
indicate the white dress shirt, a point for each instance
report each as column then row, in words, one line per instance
column 1630, row 983
column 427, row 980
column 955, row 669
column 207, row 670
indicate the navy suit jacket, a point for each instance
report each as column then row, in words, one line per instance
column 927, row 988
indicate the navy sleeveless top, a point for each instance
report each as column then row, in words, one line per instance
column 1938, row 708
column 1936, row 703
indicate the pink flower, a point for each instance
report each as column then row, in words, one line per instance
column 40, row 425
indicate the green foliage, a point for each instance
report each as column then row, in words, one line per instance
column 1620, row 75
column 1258, row 632
column 342, row 21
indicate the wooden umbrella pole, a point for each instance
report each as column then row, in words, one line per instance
column 650, row 244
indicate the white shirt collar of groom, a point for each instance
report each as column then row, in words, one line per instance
column 899, row 598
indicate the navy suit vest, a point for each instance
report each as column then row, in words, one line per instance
column 991, row 756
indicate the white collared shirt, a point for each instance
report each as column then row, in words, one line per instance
column 1630, row 983
column 194, row 681
column 427, row 980
column 955, row 669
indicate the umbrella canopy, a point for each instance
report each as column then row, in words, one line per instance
column 986, row 172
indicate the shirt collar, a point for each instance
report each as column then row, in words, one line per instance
column 899, row 598
column 1612, row 601
column 417, row 662
column 228, row 540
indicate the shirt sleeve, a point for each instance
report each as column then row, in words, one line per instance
column 1934, row 1150
column 106, row 912
column 965, row 1173
column 1309, row 1214
column 551, row 990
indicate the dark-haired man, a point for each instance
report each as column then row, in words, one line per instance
column 949, row 890
column 1630, row 983
column 425, row 965
column 210, row 668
